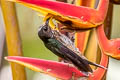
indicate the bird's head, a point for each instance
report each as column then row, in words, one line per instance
column 45, row 32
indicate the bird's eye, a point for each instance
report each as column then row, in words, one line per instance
column 45, row 28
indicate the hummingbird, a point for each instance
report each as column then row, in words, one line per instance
column 63, row 47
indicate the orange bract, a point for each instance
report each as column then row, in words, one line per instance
column 81, row 17
column 110, row 47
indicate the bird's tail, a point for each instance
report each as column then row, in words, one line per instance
column 97, row 65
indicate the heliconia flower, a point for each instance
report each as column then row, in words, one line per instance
column 59, row 70
column 109, row 47
column 80, row 17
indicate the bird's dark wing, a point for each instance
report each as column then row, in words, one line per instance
column 62, row 51
column 70, row 45
column 66, row 41
column 77, row 60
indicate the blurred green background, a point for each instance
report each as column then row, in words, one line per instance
column 29, row 23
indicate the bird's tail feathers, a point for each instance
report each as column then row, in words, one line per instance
column 97, row 65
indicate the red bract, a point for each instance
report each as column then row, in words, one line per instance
column 81, row 17
column 57, row 69
column 109, row 47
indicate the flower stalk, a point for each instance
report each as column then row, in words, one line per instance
column 13, row 38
